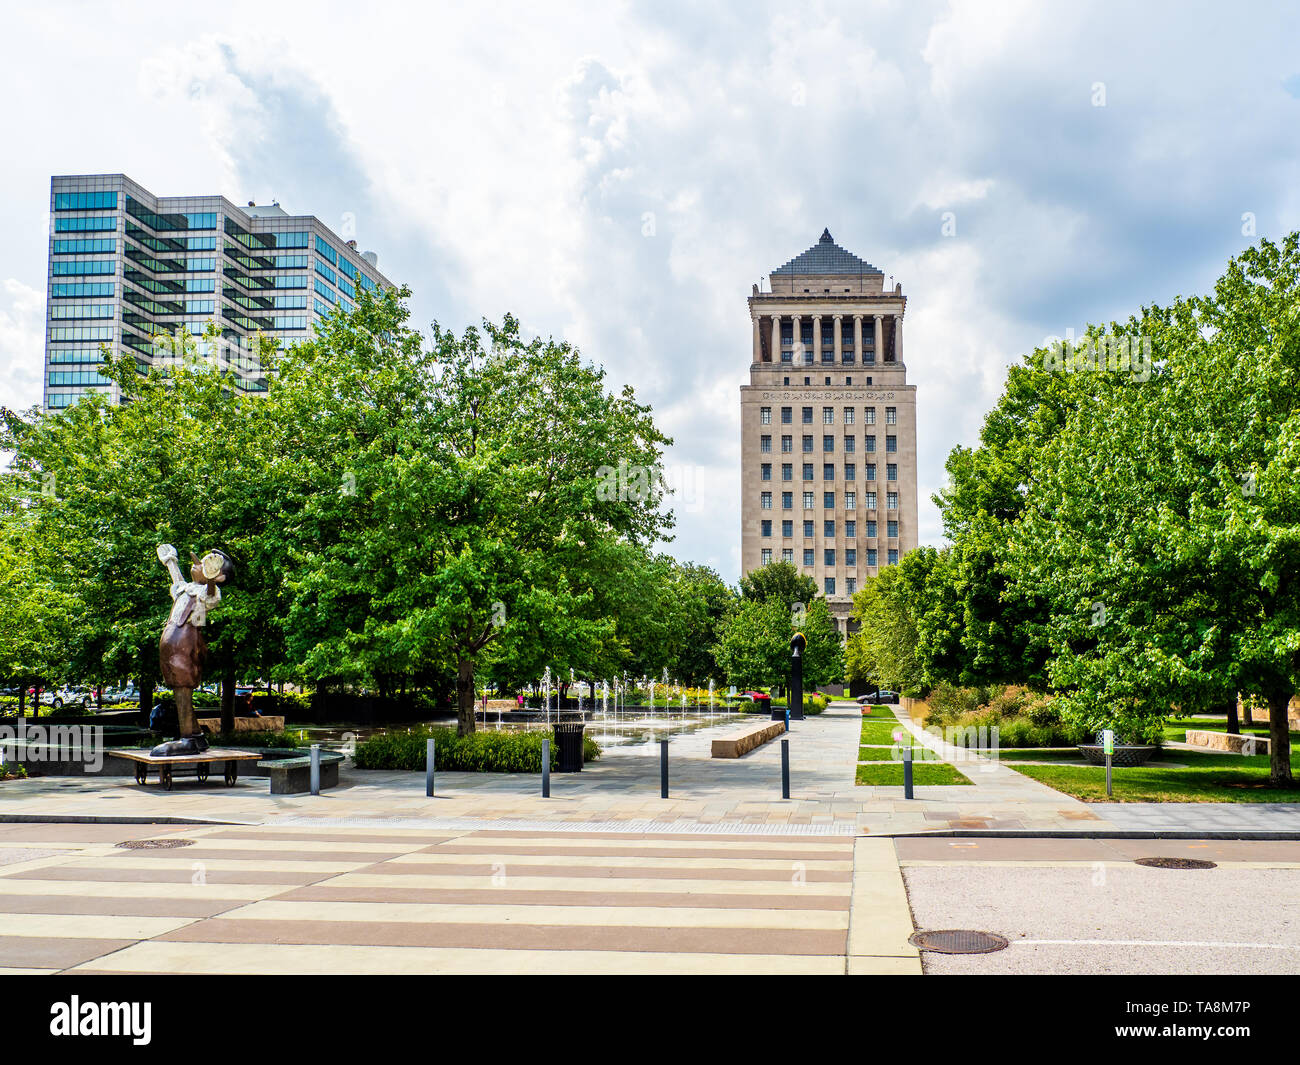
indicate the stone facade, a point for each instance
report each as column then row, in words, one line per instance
column 829, row 418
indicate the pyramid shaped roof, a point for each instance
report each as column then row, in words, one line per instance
column 826, row 258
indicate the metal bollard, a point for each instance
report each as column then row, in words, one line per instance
column 428, row 769
column 907, row 772
column 787, row 719
column 663, row 769
column 315, row 768
column 785, row 769
column 546, row 769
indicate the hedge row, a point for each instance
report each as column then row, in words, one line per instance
column 481, row 752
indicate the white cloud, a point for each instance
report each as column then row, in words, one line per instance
column 512, row 158
column 22, row 344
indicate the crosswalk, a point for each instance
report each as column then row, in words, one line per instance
column 266, row 899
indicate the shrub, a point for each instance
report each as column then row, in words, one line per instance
column 481, row 752
column 1021, row 717
column 287, row 705
column 13, row 771
column 947, row 702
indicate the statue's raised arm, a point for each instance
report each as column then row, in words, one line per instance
column 167, row 556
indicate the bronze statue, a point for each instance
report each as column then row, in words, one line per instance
column 183, row 648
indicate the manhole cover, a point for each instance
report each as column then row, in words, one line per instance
column 1175, row 863
column 958, row 941
column 154, row 844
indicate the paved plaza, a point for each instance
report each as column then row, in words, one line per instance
column 259, row 899
column 620, row 792
column 604, row 876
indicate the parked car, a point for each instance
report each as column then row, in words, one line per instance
column 68, row 696
column 882, row 696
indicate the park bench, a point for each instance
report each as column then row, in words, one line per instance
column 742, row 743
column 201, row 763
column 292, row 776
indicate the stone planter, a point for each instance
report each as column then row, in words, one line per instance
column 1126, row 755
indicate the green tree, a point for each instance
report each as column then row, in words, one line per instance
column 179, row 461
column 1163, row 529
column 884, row 649
column 779, row 582
column 753, row 647
column 823, row 659
column 473, row 504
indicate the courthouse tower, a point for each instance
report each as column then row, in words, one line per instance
column 828, row 425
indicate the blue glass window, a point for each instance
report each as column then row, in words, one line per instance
column 85, row 201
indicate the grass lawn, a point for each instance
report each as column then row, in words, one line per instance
column 878, row 711
column 1206, row 778
column 893, row 754
column 891, row 774
column 881, row 732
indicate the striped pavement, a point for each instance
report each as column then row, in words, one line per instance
column 273, row 899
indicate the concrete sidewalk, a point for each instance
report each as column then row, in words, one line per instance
column 620, row 792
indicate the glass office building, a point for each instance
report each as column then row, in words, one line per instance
column 128, row 269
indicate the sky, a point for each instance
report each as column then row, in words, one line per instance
column 620, row 175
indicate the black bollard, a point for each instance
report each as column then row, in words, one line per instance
column 907, row 772
column 795, row 702
column 785, row 769
column 546, row 769
column 663, row 769
column 428, row 769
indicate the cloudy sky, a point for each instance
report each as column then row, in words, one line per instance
column 621, row 174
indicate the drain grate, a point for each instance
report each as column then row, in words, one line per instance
column 958, row 941
column 1175, row 863
column 154, row 844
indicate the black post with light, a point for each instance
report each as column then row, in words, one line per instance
column 797, row 645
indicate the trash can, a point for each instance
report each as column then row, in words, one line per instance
column 568, row 742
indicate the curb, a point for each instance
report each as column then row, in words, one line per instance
column 106, row 819
column 1110, row 833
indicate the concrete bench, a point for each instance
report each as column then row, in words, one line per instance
column 292, row 776
column 245, row 723
column 1226, row 741
column 744, row 742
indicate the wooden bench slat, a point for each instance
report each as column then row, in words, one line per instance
column 212, row 754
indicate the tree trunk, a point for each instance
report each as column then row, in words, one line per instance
column 1279, row 747
column 228, row 700
column 145, row 685
column 1248, row 718
column 465, row 717
column 22, row 700
column 1234, row 725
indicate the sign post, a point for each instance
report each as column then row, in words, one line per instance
column 1108, row 746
